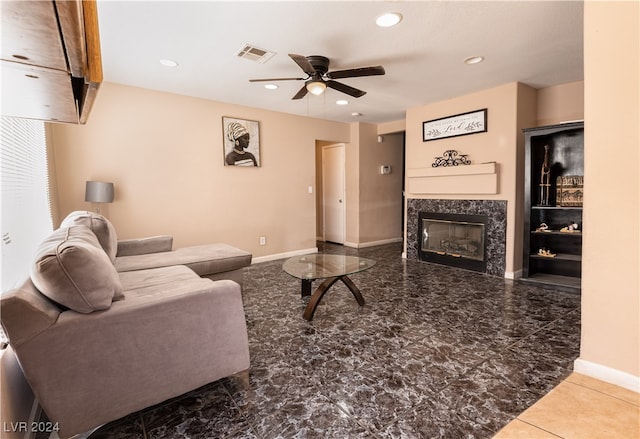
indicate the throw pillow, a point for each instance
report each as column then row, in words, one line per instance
column 101, row 226
column 72, row 269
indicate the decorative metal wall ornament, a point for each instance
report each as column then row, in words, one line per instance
column 451, row 158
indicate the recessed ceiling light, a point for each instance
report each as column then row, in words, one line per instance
column 389, row 19
column 168, row 63
column 342, row 102
column 271, row 87
column 356, row 114
column 474, row 60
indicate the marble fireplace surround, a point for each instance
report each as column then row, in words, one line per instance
column 496, row 233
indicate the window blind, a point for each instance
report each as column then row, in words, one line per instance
column 25, row 211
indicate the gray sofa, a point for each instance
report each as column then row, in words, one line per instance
column 104, row 328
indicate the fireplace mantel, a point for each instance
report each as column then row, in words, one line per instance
column 463, row 179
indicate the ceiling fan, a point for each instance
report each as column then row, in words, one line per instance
column 319, row 77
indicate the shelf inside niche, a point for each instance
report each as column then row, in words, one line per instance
column 557, row 233
column 568, row 283
column 556, row 207
column 558, row 257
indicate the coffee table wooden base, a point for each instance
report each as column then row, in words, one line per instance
column 322, row 289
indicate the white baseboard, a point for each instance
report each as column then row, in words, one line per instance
column 607, row 374
column 513, row 274
column 373, row 243
column 284, row 255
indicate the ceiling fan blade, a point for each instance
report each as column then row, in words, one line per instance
column 352, row 73
column 304, row 64
column 275, row 79
column 301, row 93
column 346, row 89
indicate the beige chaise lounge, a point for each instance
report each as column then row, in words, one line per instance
column 96, row 344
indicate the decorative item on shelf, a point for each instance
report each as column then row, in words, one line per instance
column 546, row 253
column 451, row 158
column 569, row 190
column 571, row 228
column 543, row 228
column 545, row 178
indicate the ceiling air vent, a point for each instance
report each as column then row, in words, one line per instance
column 254, row 53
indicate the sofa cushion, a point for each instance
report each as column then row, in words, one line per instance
column 99, row 225
column 204, row 259
column 72, row 269
column 139, row 279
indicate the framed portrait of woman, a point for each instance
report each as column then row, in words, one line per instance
column 241, row 140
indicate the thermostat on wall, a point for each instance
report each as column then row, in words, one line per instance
column 385, row 169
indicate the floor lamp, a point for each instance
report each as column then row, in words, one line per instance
column 98, row 192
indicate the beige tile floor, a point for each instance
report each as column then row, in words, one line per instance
column 582, row 408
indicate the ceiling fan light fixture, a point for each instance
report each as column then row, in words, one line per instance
column 316, row 87
column 389, row 19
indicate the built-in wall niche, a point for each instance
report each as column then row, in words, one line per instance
column 554, row 157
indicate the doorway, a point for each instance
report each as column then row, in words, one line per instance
column 333, row 193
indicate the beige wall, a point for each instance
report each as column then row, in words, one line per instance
column 380, row 204
column 500, row 143
column 610, row 346
column 561, row 103
column 352, row 186
column 374, row 203
column 527, row 111
column 164, row 154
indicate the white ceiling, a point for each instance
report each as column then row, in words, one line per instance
column 538, row 43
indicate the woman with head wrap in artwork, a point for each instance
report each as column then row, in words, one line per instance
column 239, row 136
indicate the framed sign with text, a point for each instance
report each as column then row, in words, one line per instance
column 452, row 126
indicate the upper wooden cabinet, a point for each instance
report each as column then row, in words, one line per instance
column 51, row 63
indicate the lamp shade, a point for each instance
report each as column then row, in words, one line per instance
column 98, row 192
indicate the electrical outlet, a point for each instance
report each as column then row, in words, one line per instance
column 263, row 240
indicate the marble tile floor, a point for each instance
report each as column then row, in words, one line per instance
column 436, row 352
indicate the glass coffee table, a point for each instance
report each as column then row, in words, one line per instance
column 332, row 268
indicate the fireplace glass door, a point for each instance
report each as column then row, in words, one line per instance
column 459, row 239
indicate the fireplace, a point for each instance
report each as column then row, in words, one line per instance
column 453, row 239
column 492, row 213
